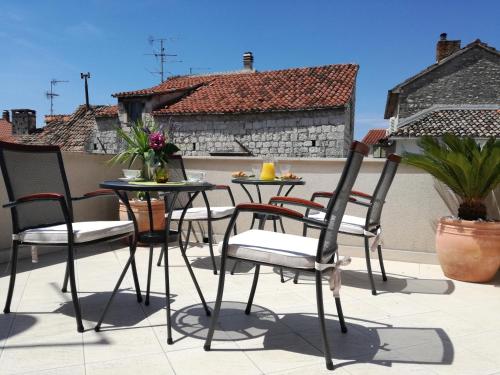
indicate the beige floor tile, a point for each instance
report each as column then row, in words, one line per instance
column 155, row 364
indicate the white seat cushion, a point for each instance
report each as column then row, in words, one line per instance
column 350, row 224
column 84, row 231
column 274, row 248
column 200, row 213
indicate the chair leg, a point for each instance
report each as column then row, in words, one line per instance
column 64, row 288
column 296, row 277
column 321, row 317
column 134, row 272
column 74, row 294
column 167, row 296
column 195, row 282
column 369, row 265
column 118, row 283
column 211, row 246
column 150, row 266
column 188, row 234
column 252, row 291
column 233, row 270
column 160, row 257
column 340, row 314
column 218, row 302
column 282, row 278
column 381, row 261
column 13, row 270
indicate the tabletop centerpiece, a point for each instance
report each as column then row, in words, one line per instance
column 150, row 144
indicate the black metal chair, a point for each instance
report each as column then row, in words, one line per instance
column 207, row 213
column 42, row 212
column 369, row 227
column 291, row 251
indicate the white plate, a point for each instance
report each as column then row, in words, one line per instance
column 130, row 179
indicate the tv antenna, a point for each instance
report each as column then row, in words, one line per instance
column 51, row 94
column 160, row 55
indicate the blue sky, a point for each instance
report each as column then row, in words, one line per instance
column 390, row 40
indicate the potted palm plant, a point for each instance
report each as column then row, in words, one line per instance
column 468, row 246
column 148, row 144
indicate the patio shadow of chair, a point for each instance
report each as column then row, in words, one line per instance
column 366, row 341
column 10, row 327
column 404, row 284
column 125, row 312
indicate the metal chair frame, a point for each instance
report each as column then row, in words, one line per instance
column 65, row 205
column 365, row 200
column 282, row 212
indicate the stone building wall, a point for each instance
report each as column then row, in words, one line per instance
column 472, row 78
column 318, row 133
column 104, row 139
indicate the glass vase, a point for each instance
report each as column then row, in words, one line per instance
column 160, row 173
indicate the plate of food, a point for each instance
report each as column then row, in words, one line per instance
column 241, row 174
column 290, row 176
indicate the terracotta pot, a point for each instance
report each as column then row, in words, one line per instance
column 468, row 250
column 140, row 209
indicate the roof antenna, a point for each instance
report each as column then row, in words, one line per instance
column 86, row 76
column 161, row 55
column 51, row 94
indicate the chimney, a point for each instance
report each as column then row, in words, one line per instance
column 248, row 61
column 5, row 116
column 445, row 47
column 23, row 121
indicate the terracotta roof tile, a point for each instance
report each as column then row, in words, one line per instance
column 476, row 123
column 72, row 134
column 5, row 129
column 374, row 136
column 279, row 90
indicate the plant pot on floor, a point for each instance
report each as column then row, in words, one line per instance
column 468, row 250
column 140, row 209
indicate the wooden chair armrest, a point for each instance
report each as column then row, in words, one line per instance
column 269, row 209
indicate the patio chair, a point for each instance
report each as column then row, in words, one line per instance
column 291, row 251
column 369, row 226
column 42, row 212
column 206, row 213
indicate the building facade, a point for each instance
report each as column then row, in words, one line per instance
column 456, row 95
column 300, row 112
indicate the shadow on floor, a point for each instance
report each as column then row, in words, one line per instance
column 403, row 284
column 366, row 341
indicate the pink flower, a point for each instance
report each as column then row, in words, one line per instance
column 156, row 141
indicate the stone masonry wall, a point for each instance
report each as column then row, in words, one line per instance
column 104, row 139
column 319, row 133
column 472, row 78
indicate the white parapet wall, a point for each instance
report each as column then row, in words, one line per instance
column 409, row 217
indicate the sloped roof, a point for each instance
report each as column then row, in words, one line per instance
column 374, row 136
column 476, row 123
column 5, row 129
column 392, row 95
column 320, row 87
column 72, row 134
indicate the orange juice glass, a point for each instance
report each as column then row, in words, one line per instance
column 268, row 171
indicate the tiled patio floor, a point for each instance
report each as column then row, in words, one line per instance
column 420, row 323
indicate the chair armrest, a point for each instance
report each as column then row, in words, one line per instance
column 360, row 194
column 296, row 202
column 228, row 189
column 92, row 194
column 35, row 197
column 270, row 209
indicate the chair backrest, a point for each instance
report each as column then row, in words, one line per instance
column 337, row 205
column 384, row 183
column 176, row 172
column 29, row 170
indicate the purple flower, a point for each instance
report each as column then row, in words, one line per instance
column 156, row 141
